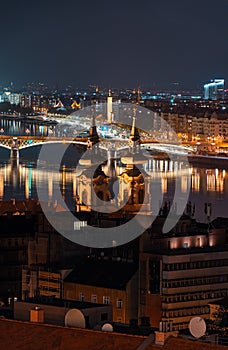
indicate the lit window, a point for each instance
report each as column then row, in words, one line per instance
column 93, row 299
column 106, row 300
column 81, row 297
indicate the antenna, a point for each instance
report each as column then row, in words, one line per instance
column 197, row 327
column 208, row 212
column 139, row 96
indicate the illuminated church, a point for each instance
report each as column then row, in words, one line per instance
column 119, row 180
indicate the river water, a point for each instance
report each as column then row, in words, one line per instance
column 208, row 185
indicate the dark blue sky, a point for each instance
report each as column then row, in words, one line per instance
column 124, row 43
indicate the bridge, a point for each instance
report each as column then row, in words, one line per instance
column 15, row 144
column 29, row 141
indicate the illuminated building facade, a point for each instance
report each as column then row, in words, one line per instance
column 214, row 90
column 106, row 282
column 181, row 273
column 203, row 126
column 95, row 181
column 109, row 108
column 36, row 281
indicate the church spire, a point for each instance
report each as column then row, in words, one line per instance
column 93, row 135
column 134, row 136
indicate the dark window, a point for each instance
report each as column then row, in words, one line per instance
column 141, row 196
column 119, row 303
column 84, row 197
column 154, row 273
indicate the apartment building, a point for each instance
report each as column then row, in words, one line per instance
column 179, row 275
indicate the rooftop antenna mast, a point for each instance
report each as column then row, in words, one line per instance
column 208, row 212
column 138, row 96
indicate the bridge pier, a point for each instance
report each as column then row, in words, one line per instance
column 14, row 154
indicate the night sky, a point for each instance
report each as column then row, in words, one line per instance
column 151, row 43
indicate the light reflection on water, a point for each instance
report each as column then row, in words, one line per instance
column 15, row 127
column 207, row 185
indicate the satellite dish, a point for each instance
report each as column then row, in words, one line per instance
column 75, row 318
column 107, row 327
column 197, row 327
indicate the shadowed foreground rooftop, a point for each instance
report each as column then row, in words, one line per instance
column 30, row 336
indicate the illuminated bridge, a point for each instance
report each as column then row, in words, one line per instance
column 15, row 144
column 23, row 142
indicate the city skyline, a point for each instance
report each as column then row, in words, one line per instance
column 114, row 174
column 114, row 44
column 43, row 87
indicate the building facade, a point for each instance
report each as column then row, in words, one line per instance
column 214, row 90
column 180, row 275
column 106, row 282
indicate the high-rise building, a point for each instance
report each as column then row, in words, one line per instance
column 109, row 108
column 14, row 99
column 180, row 274
column 214, row 90
column 26, row 100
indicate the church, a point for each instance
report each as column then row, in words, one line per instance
column 120, row 179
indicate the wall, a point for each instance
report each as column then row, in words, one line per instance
column 56, row 314
column 71, row 291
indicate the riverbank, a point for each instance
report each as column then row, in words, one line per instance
column 210, row 161
column 29, row 119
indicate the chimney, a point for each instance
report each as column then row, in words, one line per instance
column 165, row 332
column 37, row 315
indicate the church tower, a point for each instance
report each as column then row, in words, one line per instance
column 92, row 183
column 93, row 138
column 134, row 140
column 134, row 184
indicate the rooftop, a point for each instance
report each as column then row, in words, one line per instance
column 187, row 251
column 185, row 344
column 30, row 336
column 52, row 301
column 17, row 226
column 221, row 302
column 19, row 207
column 108, row 274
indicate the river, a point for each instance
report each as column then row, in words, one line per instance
column 208, row 184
